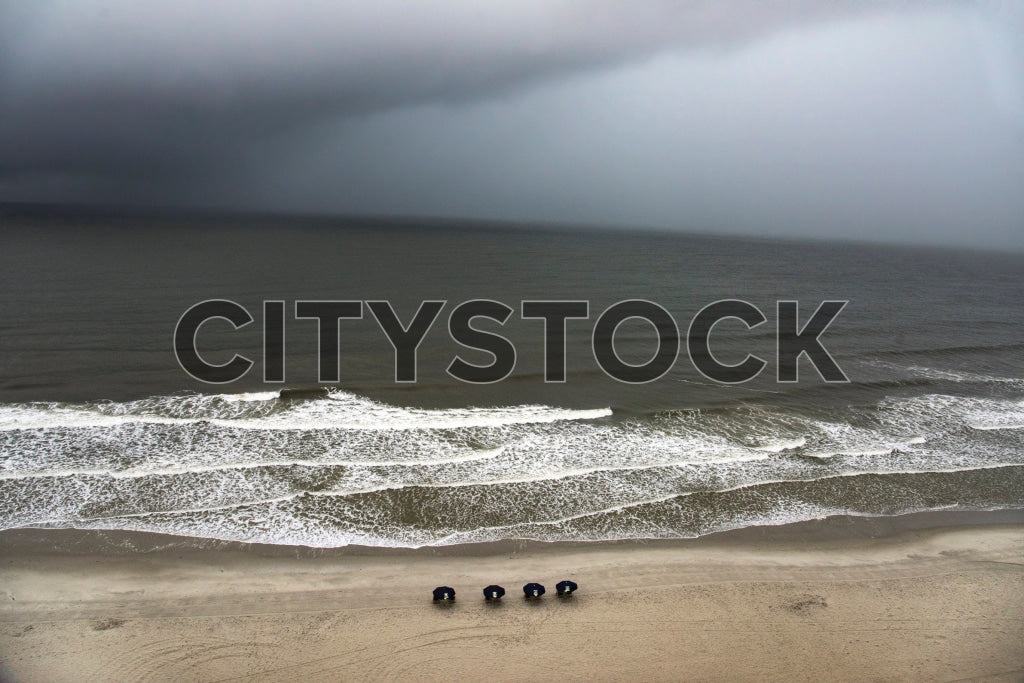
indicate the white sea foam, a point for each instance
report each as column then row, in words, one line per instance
column 276, row 521
column 992, row 426
column 245, row 468
column 780, row 445
column 962, row 376
column 141, row 472
column 250, row 396
column 339, row 410
column 50, row 416
column 312, row 416
column 945, row 375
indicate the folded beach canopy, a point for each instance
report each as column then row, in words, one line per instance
column 533, row 590
column 566, row 587
column 493, row 592
column 444, row 593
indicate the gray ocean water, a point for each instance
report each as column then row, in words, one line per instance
column 100, row 428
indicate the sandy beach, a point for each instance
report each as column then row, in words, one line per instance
column 848, row 600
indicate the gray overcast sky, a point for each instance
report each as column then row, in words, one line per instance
column 898, row 119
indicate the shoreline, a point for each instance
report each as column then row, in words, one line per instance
column 926, row 596
column 832, row 529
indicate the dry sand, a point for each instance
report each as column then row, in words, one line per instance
column 938, row 604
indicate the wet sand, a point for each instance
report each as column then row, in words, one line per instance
column 843, row 599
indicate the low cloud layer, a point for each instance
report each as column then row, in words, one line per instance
column 885, row 119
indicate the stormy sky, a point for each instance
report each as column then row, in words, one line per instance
column 893, row 119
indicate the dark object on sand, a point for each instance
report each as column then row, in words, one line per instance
column 566, row 587
column 533, row 590
column 444, row 594
column 493, row 592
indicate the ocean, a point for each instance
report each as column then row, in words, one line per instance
column 102, row 428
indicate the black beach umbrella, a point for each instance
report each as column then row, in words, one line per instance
column 493, row 592
column 533, row 590
column 566, row 587
column 444, row 593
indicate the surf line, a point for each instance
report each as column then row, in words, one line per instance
column 791, row 340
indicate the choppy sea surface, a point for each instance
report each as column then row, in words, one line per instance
column 100, row 428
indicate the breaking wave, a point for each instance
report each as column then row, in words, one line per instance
column 339, row 468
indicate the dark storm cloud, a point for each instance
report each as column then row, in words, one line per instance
column 657, row 113
column 162, row 88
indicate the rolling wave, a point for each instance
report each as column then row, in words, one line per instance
column 265, row 411
column 339, row 468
